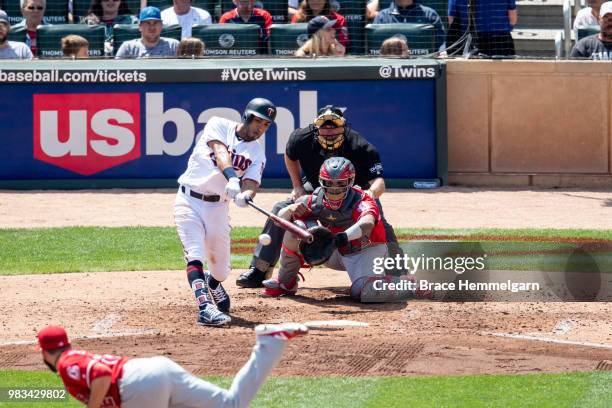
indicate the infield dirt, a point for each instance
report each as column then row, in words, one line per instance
column 148, row 313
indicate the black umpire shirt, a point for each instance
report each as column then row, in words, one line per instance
column 304, row 147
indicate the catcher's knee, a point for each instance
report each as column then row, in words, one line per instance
column 359, row 284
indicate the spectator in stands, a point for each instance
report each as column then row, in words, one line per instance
column 588, row 16
column 33, row 12
column 491, row 24
column 313, row 8
column 407, row 11
column 246, row 13
column 597, row 46
column 322, row 41
column 109, row 13
column 11, row 49
column 187, row 16
column 190, row 48
column 150, row 43
column 75, row 47
column 395, row 45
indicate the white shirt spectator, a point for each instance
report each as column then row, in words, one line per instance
column 15, row 50
column 585, row 18
column 195, row 16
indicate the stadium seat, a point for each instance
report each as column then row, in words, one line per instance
column 126, row 32
column 286, row 38
column 48, row 38
column 56, row 11
column 586, row 31
column 229, row 39
column 17, row 34
column 354, row 13
column 421, row 37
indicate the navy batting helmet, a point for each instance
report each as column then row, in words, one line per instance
column 260, row 107
column 336, row 177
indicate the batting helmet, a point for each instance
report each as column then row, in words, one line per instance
column 330, row 124
column 260, row 107
column 336, row 178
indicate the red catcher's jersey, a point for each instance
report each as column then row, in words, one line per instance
column 79, row 368
column 365, row 205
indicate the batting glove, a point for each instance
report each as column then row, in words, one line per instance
column 241, row 199
column 232, row 188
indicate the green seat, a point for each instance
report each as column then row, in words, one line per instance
column 48, row 38
column 421, row 37
column 13, row 9
column 229, row 39
column 56, row 11
column 17, row 34
column 586, row 31
column 127, row 32
column 286, row 38
column 354, row 14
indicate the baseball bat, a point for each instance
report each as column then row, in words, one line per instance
column 284, row 224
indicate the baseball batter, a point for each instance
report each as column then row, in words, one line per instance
column 350, row 213
column 226, row 164
column 158, row 382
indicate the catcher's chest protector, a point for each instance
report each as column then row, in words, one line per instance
column 340, row 218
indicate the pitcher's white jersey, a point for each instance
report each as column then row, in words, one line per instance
column 203, row 175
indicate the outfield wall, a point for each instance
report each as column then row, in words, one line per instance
column 539, row 123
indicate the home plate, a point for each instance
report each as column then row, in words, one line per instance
column 335, row 323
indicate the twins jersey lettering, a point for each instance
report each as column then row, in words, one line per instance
column 203, row 175
column 79, row 368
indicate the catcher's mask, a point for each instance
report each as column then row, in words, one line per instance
column 330, row 125
column 336, row 178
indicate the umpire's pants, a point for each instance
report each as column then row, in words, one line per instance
column 265, row 257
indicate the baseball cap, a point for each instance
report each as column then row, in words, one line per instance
column 52, row 337
column 4, row 17
column 318, row 23
column 605, row 9
column 150, row 13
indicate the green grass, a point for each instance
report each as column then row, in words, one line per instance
column 584, row 389
column 90, row 249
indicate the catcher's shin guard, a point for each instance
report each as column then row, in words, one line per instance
column 287, row 281
column 376, row 289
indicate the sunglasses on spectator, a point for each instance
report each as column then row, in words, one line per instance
column 39, row 8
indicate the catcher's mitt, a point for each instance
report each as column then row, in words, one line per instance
column 322, row 246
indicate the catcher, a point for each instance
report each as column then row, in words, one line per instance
column 351, row 236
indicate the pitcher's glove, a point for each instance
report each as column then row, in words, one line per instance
column 321, row 248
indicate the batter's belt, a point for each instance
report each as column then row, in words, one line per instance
column 208, row 198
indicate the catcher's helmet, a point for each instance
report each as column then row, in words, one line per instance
column 332, row 120
column 336, row 178
column 260, row 107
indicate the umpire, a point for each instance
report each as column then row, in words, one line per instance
column 306, row 150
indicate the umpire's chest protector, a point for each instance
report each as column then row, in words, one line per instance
column 342, row 217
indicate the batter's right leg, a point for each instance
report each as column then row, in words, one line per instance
column 265, row 257
column 189, row 391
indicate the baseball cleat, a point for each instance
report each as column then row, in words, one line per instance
column 274, row 288
column 218, row 295
column 285, row 331
column 251, row 278
column 211, row 316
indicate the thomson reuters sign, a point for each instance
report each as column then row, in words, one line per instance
column 90, row 133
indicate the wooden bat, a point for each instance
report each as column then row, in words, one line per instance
column 284, row 224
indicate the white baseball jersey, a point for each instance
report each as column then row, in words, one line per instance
column 203, row 175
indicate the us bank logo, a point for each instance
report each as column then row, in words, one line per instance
column 86, row 133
